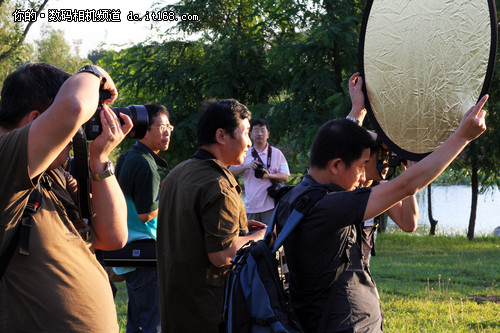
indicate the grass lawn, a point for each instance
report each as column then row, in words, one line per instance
column 427, row 284
column 438, row 284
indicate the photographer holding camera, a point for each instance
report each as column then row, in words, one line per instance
column 51, row 279
column 263, row 167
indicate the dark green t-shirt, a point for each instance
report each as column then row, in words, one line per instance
column 137, row 173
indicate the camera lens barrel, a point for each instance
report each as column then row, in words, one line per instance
column 140, row 119
column 138, row 114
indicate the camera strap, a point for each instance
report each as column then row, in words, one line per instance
column 22, row 230
column 80, row 148
column 269, row 152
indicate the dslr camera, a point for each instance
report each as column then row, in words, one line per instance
column 259, row 171
column 137, row 113
column 395, row 160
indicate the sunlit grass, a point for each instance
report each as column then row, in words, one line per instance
column 438, row 284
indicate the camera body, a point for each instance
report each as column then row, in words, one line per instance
column 395, row 160
column 259, row 171
column 138, row 114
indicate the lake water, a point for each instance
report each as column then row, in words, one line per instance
column 451, row 207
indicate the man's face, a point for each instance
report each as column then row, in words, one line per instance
column 354, row 175
column 238, row 144
column 158, row 137
column 371, row 169
column 259, row 134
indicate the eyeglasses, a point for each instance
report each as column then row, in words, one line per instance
column 164, row 128
column 257, row 130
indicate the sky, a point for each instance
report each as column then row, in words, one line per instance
column 107, row 35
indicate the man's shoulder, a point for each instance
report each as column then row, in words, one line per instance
column 137, row 153
column 197, row 168
column 202, row 173
column 8, row 140
column 133, row 158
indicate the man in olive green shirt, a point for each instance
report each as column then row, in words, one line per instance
column 202, row 222
column 58, row 285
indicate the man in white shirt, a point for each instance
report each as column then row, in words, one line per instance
column 263, row 165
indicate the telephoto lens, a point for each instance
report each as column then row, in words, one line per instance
column 137, row 113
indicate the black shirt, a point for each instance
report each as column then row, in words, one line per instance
column 314, row 251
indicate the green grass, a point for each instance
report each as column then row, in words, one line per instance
column 427, row 284
column 121, row 300
column 438, row 284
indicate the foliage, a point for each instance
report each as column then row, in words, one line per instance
column 312, row 67
column 286, row 60
column 12, row 51
column 167, row 74
column 53, row 48
column 13, row 34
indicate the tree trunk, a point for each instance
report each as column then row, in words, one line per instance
column 429, row 210
column 473, row 207
column 383, row 223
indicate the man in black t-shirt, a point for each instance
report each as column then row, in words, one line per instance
column 331, row 288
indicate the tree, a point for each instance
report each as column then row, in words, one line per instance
column 13, row 51
column 13, row 33
column 166, row 73
column 53, row 48
column 432, row 221
column 288, row 61
column 482, row 158
column 313, row 65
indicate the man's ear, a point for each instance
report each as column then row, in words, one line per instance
column 33, row 115
column 335, row 165
column 220, row 136
column 29, row 117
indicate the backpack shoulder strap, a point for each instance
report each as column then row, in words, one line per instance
column 340, row 269
column 304, row 204
column 22, row 229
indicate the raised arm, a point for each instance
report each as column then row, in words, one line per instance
column 53, row 129
column 358, row 110
column 386, row 195
column 108, row 201
column 405, row 213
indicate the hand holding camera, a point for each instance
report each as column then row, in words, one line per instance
column 259, row 170
column 111, row 135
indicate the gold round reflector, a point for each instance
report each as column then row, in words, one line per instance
column 425, row 63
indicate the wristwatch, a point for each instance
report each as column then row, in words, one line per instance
column 94, row 70
column 356, row 121
column 108, row 172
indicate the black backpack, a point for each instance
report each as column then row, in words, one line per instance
column 255, row 300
